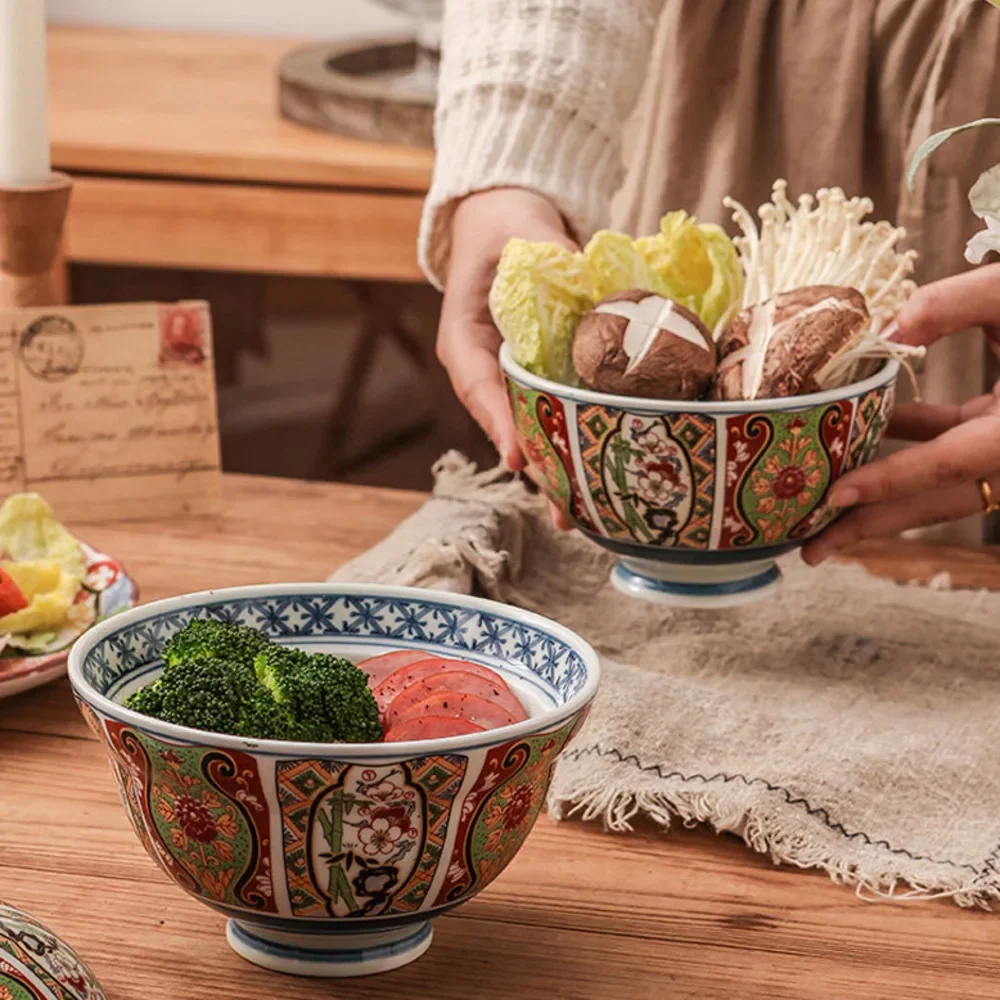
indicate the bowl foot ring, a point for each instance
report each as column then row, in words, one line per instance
column 330, row 956
column 702, row 587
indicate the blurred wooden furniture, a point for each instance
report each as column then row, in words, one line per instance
column 31, row 228
column 579, row 914
column 182, row 161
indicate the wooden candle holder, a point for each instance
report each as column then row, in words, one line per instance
column 31, row 228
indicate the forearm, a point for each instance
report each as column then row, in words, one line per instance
column 534, row 94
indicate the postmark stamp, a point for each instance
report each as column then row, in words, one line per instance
column 51, row 348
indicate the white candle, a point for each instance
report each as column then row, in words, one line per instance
column 24, row 106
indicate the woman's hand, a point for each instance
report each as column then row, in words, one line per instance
column 936, row 480
column 468, row 342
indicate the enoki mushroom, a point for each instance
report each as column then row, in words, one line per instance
column 825, row 240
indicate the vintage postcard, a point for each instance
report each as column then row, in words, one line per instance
column 110, row 412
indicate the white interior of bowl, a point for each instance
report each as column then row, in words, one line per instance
column 552, row 669
column 636, row 404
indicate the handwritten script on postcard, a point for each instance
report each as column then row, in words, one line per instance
column 109, row 412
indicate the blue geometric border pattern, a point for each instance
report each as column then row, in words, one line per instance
column 351, row 618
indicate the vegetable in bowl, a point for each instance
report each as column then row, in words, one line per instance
column 233, row 680
column 627, row 317
column 542, row 290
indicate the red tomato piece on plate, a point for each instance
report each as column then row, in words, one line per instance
column 11, row 598
column 456, row 705
column 459, row 681
column 430, row 727
column 379, row 667
column 402, row 678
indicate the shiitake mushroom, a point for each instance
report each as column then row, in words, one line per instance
column 797, row 331
column 637, row 343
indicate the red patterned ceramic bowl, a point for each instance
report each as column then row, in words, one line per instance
column 330, row 859
column 37, row 965
column 697, row 499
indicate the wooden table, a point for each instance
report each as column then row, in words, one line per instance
column 182, row 160
column 579, row 913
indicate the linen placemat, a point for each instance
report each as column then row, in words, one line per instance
column 848, row 724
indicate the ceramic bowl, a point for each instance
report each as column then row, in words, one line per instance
column 697, row 499
column 37, row 965
column 331, row 860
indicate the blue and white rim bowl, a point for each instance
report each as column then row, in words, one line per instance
column 726, row 559
column 330, row 860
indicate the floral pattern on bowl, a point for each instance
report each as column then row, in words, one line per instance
column 696, row 498
column 37, row 965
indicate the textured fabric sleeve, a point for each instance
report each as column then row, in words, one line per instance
column 534, row 94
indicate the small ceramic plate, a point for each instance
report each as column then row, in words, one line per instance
column 106, row 590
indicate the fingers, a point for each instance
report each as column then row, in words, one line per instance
column 559, row 519
column 929, row 484
column 468, row 352
column 892, row 517
column 487, row 401
column 922, row 422
column 962, row 454
column 993, row 339
column 948, row 306
column 556, row 513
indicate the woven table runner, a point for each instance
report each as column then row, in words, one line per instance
column 848, row 724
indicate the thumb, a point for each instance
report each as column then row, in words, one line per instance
column 945, row 307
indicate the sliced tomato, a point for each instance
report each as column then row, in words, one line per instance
column 379, row 667
column 460, row 682
column 430, row 727
column 11, row 598
column 456, row 705
column 386, row 691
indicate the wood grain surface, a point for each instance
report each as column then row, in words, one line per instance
column 579, row 913
column 200, row 106
column 242, row 227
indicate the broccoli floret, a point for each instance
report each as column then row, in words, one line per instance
column 264, row 719
column 203, row 695
column 147, row 700
column 210, row 640
column 328, row 696
column 215, row 695
column 233, row 680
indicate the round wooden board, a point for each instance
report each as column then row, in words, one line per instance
column 382, row 89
